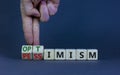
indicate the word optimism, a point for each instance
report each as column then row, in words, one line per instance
column 39, row 53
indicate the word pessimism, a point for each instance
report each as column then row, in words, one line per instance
column 39, row 53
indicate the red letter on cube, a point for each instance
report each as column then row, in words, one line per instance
column 37, row 56
column 26, row 56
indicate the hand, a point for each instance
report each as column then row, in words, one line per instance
column 48, row 7
column 32, row 11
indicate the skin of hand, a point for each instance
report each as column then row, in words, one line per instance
column 32, row 12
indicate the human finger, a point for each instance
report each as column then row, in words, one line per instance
column 51, row 8
column 56, row 2
column 36, row 31
column 36, row 2
column 44, row 12
column 28, row 8
column 27, row 28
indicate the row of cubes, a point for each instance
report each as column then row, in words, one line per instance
column 39, row 53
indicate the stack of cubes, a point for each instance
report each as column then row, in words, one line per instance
column 38, row 52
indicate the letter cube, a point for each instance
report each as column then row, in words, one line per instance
column 59, row 54
column 38, row 52
column 81, row 54
column 70, row 54
column 26, row 52
column 92, row 54
column 49, row 54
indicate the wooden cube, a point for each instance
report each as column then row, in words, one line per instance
column 59, row 54
column 70, row 54
column 26, row 52
column 81, row 54
column 92, row 54
column 49, row 54
column 38, row 52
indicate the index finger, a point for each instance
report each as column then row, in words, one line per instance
column 36, row 31
column 27, row 28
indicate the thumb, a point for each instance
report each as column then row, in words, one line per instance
column 27, row 6
column 33, row 12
